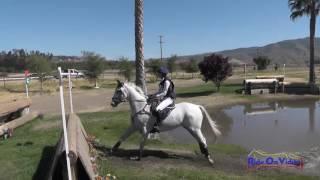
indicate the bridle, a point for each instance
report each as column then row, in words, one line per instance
column 119, row 100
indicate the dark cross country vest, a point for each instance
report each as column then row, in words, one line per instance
column 171, row 92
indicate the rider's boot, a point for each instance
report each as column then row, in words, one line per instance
column 155, row 128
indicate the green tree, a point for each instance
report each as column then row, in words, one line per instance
column 309, row 8
column 262, row 62
column 172, row 66
column 94, row 66
column 41, row 66
column 126, row 68
column 140, row 74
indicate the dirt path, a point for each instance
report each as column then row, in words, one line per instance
column 99, row 100
column 83, row 101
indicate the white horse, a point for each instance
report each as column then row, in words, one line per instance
column 187, row 115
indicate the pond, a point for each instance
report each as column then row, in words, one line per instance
column 279, row 126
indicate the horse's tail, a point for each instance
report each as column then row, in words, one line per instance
column 212, row 123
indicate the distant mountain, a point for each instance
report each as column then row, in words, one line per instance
column 294, row 51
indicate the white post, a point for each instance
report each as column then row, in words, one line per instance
column 26, row 74
column 70, row 91
column 64, row 124
column 26, row 82
column 27, row 90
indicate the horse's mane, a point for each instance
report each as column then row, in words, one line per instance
column 137, row 88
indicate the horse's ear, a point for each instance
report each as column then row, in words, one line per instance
column 120, row 84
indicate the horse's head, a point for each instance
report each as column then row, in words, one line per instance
column 120, row 95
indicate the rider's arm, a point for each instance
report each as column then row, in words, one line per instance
column 164, row 91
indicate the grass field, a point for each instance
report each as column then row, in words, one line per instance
column 108, row 81
column 207, row 89
column 28, row 153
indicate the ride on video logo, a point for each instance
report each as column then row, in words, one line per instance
column 258, row 159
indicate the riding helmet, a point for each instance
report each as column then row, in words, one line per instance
column 163, row 70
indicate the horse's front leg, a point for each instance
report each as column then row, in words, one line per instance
column 144, row 134
column 124, row 136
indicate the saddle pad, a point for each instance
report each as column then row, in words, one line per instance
column 164, row 113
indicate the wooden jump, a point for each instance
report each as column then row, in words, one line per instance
column 280, row 78
column 12, row 115
column 260, row 86
column 12, row 108
column 79, row 154
column 17, row 122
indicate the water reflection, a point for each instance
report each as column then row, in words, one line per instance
column 261, row 108
column 275, row 126
column 311, row 105
column 271, row 126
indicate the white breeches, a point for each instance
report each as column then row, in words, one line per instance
column 165, row 103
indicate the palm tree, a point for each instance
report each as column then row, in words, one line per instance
column 140, row 75
column 310, row 8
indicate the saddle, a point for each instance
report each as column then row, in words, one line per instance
column 160, row 115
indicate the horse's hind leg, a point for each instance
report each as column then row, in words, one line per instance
column 202, row 143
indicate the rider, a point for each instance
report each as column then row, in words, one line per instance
column 166, row 95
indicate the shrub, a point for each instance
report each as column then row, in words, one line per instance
column 262, row 62
column 215, row 68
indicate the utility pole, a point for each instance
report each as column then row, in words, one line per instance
column 161, row 42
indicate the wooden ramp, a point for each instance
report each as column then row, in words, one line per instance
column 12, row 108
column 17, row 122
column 79, row 153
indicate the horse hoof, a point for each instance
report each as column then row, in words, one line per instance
column 211, row 161
column 135, row 158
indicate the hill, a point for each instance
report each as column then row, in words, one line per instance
column 294, row 51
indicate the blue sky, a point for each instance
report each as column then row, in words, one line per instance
column 66, row 27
